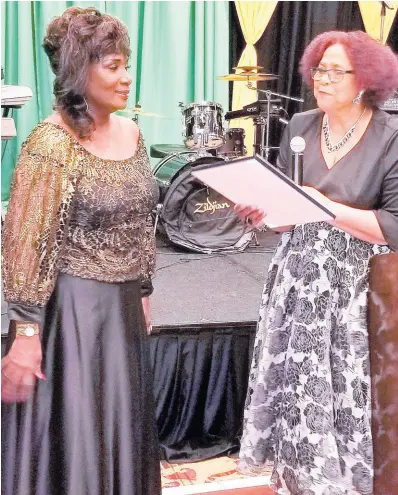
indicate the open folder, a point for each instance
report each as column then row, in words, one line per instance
column 254, row 181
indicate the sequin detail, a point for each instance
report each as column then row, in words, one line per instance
column 73, row 212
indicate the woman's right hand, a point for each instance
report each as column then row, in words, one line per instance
column 255, row 218
column 251, row 215
column 20, row 368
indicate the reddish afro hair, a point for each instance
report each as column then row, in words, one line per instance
column 376, row 65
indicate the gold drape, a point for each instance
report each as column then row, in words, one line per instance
column 370, row 12
column 253, row 18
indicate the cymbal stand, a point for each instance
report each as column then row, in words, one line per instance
column 264, row 119
column 136, row 115
column 383, row 14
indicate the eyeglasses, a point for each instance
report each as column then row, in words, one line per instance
column 335, row 75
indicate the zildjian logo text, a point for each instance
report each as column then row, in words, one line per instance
column 211, row 206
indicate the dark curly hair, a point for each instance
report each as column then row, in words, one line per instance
column 376, row 65
column 74, row 40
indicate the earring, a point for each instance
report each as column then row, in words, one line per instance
column 358, row 98
column 85, row 101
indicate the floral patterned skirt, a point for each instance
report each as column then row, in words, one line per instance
column 308, row 406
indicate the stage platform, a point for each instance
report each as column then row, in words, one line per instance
column 201, row 289
column 204, row 312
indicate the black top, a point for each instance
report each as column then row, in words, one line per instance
column 365, row 178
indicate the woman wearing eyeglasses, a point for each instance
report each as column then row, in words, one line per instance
column 308, row 406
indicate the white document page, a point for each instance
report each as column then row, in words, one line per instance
column 253, row 181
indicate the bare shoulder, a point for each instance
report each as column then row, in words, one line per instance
column 55, row 118
column 129, row 130
column 128, row 125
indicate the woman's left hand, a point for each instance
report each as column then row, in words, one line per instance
column 147, row 314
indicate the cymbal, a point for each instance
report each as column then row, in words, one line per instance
column 263, row 74
column 140, row 112
column 248, row 76
column 247, row 68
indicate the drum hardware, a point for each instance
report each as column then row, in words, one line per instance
column 264, row 120
column 263, row 124
column 200, row 153
column 157, row 211
column 254, row 109
column 261, row 110
column 137, row 111
column 383, row 14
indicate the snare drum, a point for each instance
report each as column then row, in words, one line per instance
column 202, row 125
column 234, row 145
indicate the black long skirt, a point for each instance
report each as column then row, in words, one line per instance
column 89, row 429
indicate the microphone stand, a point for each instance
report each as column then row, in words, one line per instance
column 268, row 95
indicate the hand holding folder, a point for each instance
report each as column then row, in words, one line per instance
column 254, row 181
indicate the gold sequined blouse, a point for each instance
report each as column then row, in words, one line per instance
column 75, row 213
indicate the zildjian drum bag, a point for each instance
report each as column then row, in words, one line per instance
column 200, row 219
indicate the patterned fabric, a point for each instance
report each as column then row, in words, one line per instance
column 110, row 235
column 308, row 405
column 73, row 212
column 41, row 197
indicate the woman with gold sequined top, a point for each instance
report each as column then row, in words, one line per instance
column 79, row 252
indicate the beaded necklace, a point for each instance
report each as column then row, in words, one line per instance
column 328, row 138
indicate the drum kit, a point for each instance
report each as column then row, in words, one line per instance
column 205, row 133
column 190, row 221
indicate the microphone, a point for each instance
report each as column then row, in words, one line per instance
column 297, row 145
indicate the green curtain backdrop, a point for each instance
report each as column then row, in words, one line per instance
column 178, row 50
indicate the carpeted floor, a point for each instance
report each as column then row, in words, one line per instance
column 221, row 469
column 253, row 490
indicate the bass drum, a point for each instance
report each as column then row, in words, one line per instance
column 195, row 216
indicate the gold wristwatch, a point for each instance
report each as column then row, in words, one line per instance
column 27, row 329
